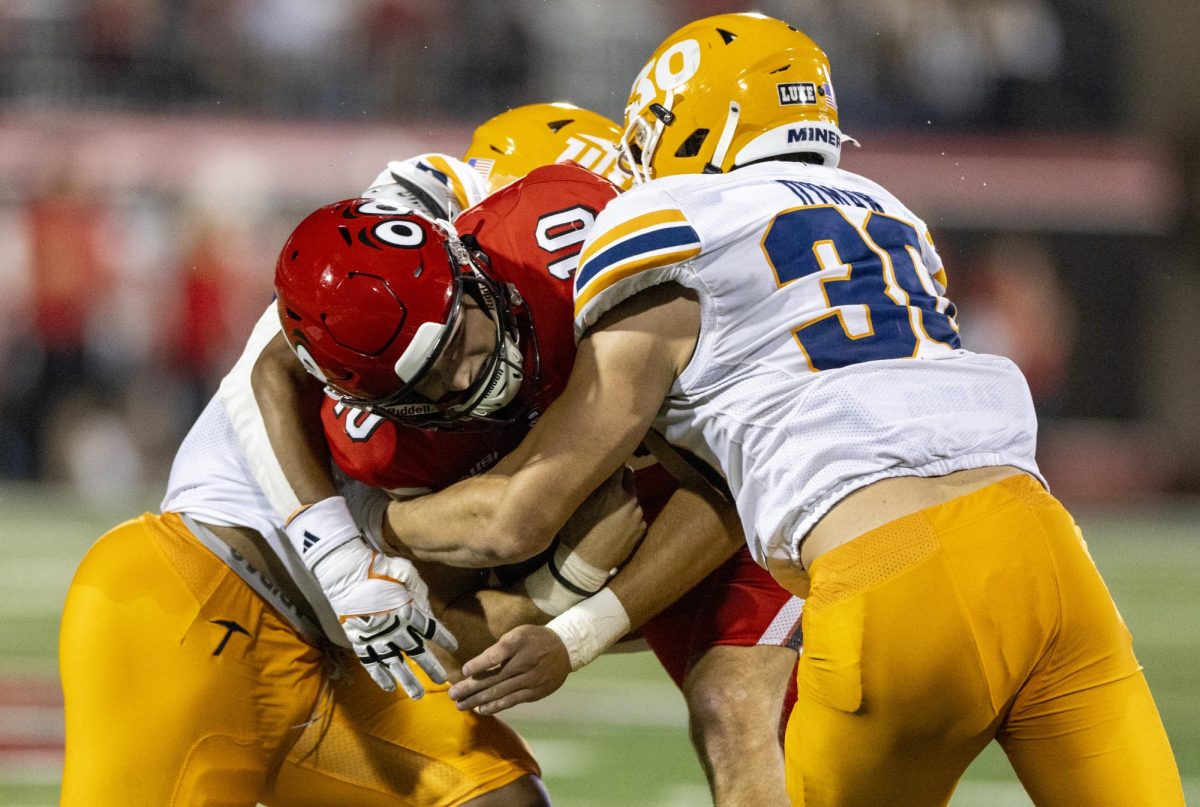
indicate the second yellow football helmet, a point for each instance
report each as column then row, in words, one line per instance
column 513, row 143
column 728, row 90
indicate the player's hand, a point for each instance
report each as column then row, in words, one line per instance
column 524, row 665
column 384, row 609
column 383, row 642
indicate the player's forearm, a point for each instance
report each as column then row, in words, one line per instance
column 513, row 511
column 290, row 402
column 471, row 523
column 689, row 539
column 694, row 534
column 599, row 537
column 243, row 405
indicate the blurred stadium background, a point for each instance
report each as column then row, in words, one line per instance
column 154, row 154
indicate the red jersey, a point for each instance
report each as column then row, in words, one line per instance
column 532, row 232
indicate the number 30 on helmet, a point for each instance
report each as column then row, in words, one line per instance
column 369, row 294
column 729, row 90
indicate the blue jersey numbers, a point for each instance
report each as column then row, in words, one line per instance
column 879, row 300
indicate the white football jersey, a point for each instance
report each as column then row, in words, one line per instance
column 828, row 356
column 211, row 483
column 222, row 474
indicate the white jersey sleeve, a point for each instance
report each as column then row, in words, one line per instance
column 437, row 184
column 236, row 397
column 640, row 239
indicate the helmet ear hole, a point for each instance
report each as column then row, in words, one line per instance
column 692, row 145
column 635, row 151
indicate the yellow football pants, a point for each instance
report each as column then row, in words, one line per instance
column 183, row 687
column 982, row 618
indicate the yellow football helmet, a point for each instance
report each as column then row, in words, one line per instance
column 728, row 90
column 515, row 142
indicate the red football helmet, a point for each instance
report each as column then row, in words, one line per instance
column 369, row 294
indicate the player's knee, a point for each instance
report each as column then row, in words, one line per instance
column 732, row 688
column 714, row 710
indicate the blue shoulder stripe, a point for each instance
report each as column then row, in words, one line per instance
column 653, row 241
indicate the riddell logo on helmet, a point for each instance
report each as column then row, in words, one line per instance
column 797, row 92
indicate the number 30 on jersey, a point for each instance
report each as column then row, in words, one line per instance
column 879, row 300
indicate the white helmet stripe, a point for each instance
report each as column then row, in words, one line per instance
column 420, row 350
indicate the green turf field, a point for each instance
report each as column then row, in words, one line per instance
column 614, row 735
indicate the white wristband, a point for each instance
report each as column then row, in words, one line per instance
column 368, row 507
column 591, row 627
column 564, row 580
column 321, row 528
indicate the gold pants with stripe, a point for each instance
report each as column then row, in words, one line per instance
column 183, row 687
column 981, row 618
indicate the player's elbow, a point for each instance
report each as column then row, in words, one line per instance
column 520, row 542
column 521, row 525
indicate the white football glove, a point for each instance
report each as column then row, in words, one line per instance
column 435, row 184
column 381, row 601
column 384, row 609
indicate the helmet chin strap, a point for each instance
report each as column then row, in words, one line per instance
column 726, row 138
